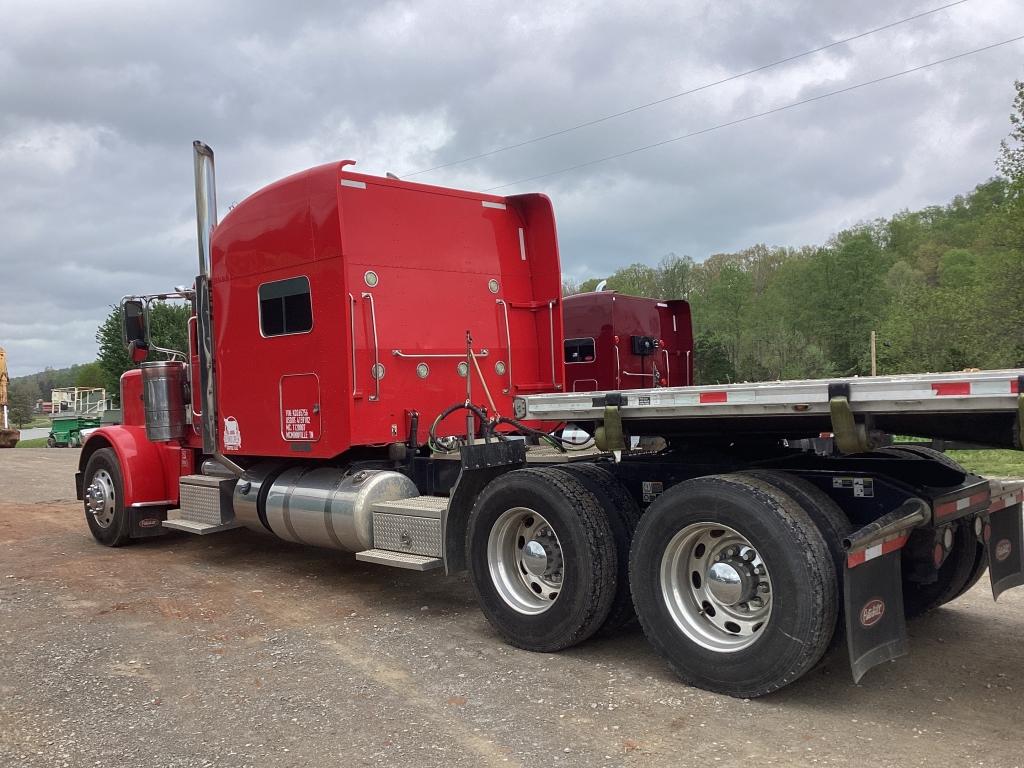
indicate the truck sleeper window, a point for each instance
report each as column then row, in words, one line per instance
column 285, row 307
column 579, row 350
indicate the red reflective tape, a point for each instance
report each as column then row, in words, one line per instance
column 1014, row 387
column 886, row 546
column 714, row 397
column 959, row 505
column 952, row 388
column 1008, row 500
column 980, row 498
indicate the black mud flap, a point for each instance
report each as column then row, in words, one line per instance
column 1004, row 542
column 146, row 522
column 481, row 463
column 876, row 630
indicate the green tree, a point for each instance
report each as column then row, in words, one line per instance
column 90, row 375
column 19, row 404
column 168, row 328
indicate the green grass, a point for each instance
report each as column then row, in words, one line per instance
column 991, row 463
column 36, row 442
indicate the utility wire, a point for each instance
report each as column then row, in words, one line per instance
column 772, row 111
column 697, row 89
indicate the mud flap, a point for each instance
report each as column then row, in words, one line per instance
column 876, row 630
column 1003, row 542
column 146, row 521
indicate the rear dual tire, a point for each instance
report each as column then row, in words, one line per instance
column 542, row 559
column 734, row 584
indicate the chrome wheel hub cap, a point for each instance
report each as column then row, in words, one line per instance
column 716, row 587
column 100, row 499
column 525, row 561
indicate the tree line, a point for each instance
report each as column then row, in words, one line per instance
column 943, row 288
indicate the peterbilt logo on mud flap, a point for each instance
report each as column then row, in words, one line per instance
column 1003, row 549
column 149, row 522
column 872, row 612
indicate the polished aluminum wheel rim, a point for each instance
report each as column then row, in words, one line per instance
column 716, row 587
column 100, row 498
column 525, row 560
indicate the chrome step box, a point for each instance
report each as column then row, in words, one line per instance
column 205, row 505
column 399, row 560
column 409, row 526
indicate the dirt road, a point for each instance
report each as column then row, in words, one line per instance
column 240, row 650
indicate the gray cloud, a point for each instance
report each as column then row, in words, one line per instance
column 101, row 102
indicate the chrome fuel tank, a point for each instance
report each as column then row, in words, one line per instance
column 330, row 507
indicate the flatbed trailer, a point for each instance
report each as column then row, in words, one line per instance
column 981, row 407
column 319, row 345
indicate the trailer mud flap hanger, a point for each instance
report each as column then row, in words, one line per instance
column 876, row 629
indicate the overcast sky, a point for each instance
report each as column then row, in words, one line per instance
column 100, row 101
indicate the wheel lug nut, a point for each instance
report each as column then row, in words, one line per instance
column 759, row 570
column 756, row 602
column 748, row 555
column 763, row 587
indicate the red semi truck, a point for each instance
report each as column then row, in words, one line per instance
column 615, row 341
column 344, row 324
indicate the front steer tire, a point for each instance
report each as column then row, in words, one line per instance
column 106, row 515
column 587, row 584
column 803, row 586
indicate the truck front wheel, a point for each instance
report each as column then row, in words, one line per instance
column 733, row 584
column 542, row 559
column 104, row 499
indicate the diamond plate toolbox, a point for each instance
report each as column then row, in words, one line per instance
column 205, row 499
column 406, row 533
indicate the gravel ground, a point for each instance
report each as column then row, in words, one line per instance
column 240, row 650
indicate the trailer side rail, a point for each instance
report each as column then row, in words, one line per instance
column 984, row 391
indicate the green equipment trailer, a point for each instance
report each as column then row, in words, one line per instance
column 66, row 431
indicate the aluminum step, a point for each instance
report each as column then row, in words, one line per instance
column 193, row 526
column 417, row 506
column 399, row 559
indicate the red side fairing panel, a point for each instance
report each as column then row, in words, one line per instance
column 398, row 273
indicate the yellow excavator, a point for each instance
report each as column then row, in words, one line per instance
column 8, row 437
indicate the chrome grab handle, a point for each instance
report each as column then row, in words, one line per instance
column 551, row 317
column 630, row 373
column 352, row 330
column 416, row 356
column 508, row 342
column 376, row 348
column 193, row 322
column 689, row 378
column 618, row 367
column 668, row 371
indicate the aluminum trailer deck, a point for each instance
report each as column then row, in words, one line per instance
column 981, row 407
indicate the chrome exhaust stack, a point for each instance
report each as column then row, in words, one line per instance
column 206, row 222
column 206, row 202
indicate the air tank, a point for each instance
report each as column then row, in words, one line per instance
column 163, row 395
column 326, row 506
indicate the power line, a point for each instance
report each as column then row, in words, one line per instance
column 772, row 111
column 697, row 89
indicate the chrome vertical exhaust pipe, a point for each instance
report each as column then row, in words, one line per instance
column 206, row 202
